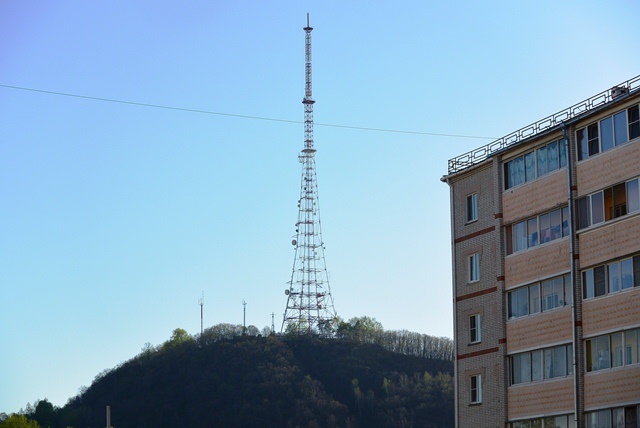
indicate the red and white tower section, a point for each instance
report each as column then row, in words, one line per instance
column 309, row 303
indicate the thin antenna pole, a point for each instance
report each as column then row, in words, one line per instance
column 201, row 303
column 244, row 315
column 273, row 325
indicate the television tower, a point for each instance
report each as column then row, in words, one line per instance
column 309, row 302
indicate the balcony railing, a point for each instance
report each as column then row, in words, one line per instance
column 478, row 155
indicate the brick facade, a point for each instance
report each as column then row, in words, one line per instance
column 501, row 338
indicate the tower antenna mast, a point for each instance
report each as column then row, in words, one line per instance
column 244, row 317
column 273, row 327
column 309, row 302
column 201, row 303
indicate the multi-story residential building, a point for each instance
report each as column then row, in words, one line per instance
column 546, row 270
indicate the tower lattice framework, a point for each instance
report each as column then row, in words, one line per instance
column 309, row 301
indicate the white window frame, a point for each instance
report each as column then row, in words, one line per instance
column 475, row 328
column 620, row 117
column 473, row 266
column 472, row 207
column 475, row 393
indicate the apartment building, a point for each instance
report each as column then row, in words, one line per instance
column 546, row 270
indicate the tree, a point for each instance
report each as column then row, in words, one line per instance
column 296, row 328
column 45, row 413
column 363, row 329
column 178, row 337
column 252, row 331
column 18, row 421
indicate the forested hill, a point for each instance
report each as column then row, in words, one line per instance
column 267, row 382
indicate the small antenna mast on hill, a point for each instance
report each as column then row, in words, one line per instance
column 273, row 325
column 201, row 303
column 244, row 316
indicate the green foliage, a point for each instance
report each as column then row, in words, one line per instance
column 179, row 337
column 362, row 329
column 369, row 330
column 225, row 379
column 297, row 328
column 226, row 331
column 233, row 377
column 18, row 421
column 45, row 413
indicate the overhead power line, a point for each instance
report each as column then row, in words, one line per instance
column 242, row 116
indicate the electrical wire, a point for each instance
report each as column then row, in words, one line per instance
column 242, row 116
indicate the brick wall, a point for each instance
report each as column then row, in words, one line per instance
column 535, row 197
column 606, row 169
column 539, row 262
column 490, row 413
column 612, row 312
column 606, row 388
column 609, row 241
column 486, row 358
column 541, row 398
column 540, row 330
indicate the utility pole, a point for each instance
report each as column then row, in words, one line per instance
column 273, row 325
column 201, row 303
column 244, row 317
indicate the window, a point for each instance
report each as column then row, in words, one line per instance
column 608, row 133
column 612, row 350
column 519, row 302
column 594, row 283
column 634, row 122
column 611, row 278
column 542, row 364
column 534, row 298
column 534, row 164
column 472, row 207
column 521, row 368
column 541, row 296
column 476, row 389
column 633, row 196
column 616, row 350
column 598, row 353
column 556, row 361
column 607, row 204
column 562, row 421
column 475, row 328
column 631, row 349
column 610, row 418
column 474, row 267
column 537, row 230
column 553, row 293
column 599, row 419
column 514, row 172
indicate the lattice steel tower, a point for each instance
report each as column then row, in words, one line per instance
column 309, row 302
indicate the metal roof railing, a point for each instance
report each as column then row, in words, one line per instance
column 476, row 156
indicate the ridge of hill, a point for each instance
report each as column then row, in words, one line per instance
column 267, row 382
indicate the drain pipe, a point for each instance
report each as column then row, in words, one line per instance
column 575, row 316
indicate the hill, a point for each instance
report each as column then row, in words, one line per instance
column 267, row 382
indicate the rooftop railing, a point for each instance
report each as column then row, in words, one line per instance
column 478, row 155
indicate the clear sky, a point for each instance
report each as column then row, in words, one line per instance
column 114, row 218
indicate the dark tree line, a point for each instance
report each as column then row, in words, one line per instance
column 368, row 330
column 230, row 376
column 358, row 329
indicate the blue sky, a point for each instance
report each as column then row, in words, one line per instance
column 116, row 217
